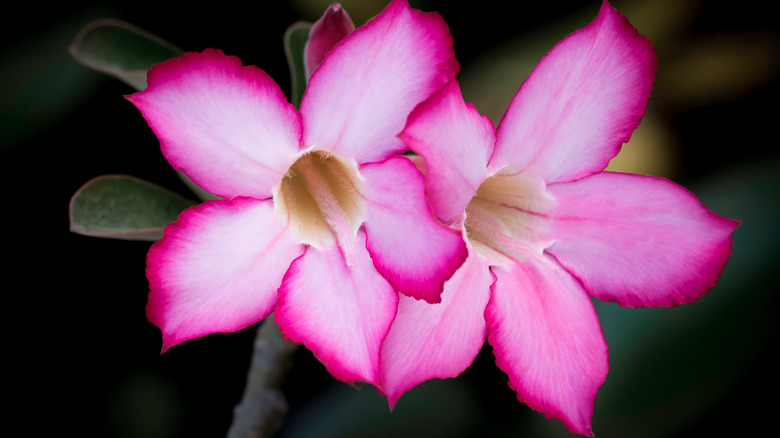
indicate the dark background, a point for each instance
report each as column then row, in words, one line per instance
column 85, row 361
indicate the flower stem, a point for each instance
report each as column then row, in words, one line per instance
column 263, row 405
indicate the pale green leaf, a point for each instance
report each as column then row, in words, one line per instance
column 121, row 50
column 124, row 207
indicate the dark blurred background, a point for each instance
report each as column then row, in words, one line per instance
column 85, row 361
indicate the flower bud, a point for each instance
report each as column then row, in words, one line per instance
column 331, row 28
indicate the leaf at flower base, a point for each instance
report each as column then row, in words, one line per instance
column 121, row 50
column 294, row 42
column 124, row 207
column 196, row 189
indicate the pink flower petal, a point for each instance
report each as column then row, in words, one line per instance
column 546, row 336
column 217, row 269
column 410, row 249
column 638, row 240
column 342, row 315
column 328, row 31
column 456, row 143
column 358, row 99
column 228, row 127
column 430, row 341
column 582, row 101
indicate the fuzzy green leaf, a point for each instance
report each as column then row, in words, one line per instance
column 121, row 50
column 124, row 207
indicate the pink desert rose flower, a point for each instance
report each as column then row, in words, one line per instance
column 319, row 221
column 547, row 226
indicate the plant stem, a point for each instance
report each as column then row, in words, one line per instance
column 263, row 405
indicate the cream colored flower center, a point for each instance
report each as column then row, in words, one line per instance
column 507, row 217
column 320, row 195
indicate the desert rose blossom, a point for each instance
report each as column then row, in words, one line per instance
column 547, row 227
column 315, row 204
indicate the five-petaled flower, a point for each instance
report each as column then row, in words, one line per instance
column 320, row 221
column 547, row 226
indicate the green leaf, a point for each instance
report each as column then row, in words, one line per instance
column 124, row 207
column 121, row 50
column 202, row 194
column 294, row 42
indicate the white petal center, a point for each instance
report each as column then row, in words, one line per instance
column 320, row 195
column 507, row 217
